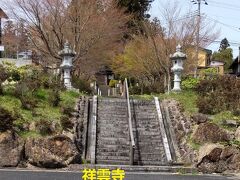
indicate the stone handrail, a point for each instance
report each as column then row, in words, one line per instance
column 132, row 145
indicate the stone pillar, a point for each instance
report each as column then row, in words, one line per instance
column 177, row 58
column 67, row 54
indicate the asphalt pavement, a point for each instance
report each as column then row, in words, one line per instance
column 6, row 174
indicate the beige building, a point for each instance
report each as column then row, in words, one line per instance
column 204, row 59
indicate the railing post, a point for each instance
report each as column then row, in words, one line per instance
column 93, row 131
column 132, row 143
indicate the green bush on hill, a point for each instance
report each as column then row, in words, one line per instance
column 6, row 120
column 190, row 83
column 32, row 96
column 218, row 94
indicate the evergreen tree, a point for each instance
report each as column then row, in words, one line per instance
column 136, row 7
column 226, row 56
column 224, row 45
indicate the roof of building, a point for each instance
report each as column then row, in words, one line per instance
column 3, row 14
column 217, row 61
column 208, row 51
column 105, row 70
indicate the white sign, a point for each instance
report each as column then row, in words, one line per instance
column 1, row 48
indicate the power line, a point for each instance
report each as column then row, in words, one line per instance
column 224, row 5
column 235, row 28
column 186, row 16
column 218, row 41
column 226, row 17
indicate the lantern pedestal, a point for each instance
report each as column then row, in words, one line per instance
column 177, row 81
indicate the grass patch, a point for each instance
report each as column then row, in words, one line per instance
column 42, row 94
column 194, row 145
column 225, row 115
column 187, row 98
column 231, row 143
column 10, row 103
column 142, row 97
column 68, row 98
column 29, row 134
column 43, row 110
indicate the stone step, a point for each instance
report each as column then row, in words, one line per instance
column 152, row 163
column 106, row 120
column 118, row 117
column 116, row 128
column 146, row 124
column 114, row 148
column 149, row 148
column 108, row 137
column 115, row 106
column 120, row 153
column 113, row 162
column 114, row 136
column 113, row 143
column 155, row 157
column 114, row 124
column 108, row 157
column 111, row 152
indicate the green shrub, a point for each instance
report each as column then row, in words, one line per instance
column 3, row 76
column 6, row 120
column 218, row 94
column 9, row 89
column 67, row 110
column 113, row 83
column 135, row 90
column 189, row 83
column 44, row 127
column 81, row 84
column 208, row 73
column 28, row 102
column 42, row 94
column 68, row 101
column 54, row 98
column 66, row 122
column 23, row 92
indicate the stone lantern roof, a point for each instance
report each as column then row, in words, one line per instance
column 178, row 54
column 67, row 51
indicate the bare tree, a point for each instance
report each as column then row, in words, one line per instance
column 183, row 28
column 15, row 38
column 92, row 28
column 146, row 57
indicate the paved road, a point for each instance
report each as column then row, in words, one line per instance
column 47, row 175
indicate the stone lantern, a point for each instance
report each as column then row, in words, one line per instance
column 177, row 58
column 67, row 54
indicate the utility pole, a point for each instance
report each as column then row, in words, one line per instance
column 199, row 3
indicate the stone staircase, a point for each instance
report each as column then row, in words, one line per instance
column 149, row 144
column 112, row 132
column 107, row 136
